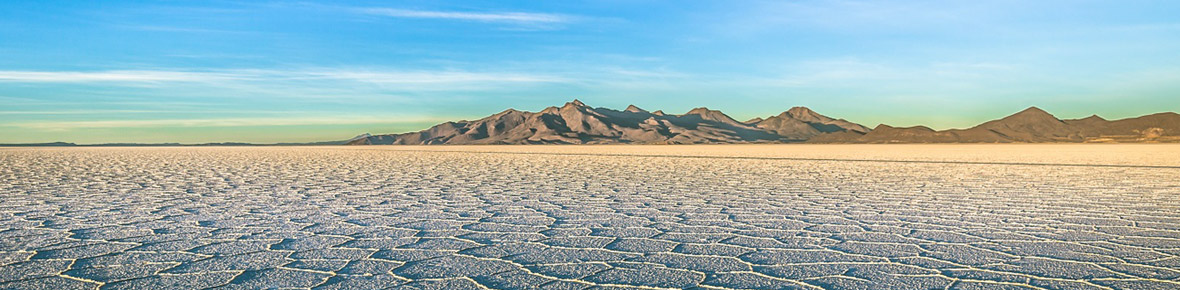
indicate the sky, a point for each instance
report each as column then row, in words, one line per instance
column 296, row 71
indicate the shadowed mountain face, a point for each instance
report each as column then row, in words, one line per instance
column 1032, row 125
column 577, row 123
column 803, row 123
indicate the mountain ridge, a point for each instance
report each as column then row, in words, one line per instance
column 1031, row 125
column 578, row 123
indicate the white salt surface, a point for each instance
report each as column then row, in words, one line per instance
column 576, row 217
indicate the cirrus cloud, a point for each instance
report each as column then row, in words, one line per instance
column 368, row 76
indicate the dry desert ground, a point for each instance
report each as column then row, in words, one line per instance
column 1077, row 216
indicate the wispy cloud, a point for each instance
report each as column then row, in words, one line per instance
column 423, row 77
column 149, row 111
column 366, row 76
column 843, row 71
column 113, row 76
column 83, row 112
column 502, row 17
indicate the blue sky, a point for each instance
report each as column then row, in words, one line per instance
column 259, row 71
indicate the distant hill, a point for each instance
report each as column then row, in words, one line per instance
column 577, row 123
column 51, row 144
column 1032, row 125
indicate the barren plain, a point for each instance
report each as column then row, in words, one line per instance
column 592, row 217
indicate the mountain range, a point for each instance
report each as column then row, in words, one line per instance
column 577, row 123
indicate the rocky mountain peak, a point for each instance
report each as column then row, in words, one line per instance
column 575, row 103
column 1033, row 112
column 1032, row 115
column 799, row 111
column 699, row 111
column 807, row 115
column 634, row 109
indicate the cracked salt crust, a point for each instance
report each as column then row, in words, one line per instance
column 576, row 217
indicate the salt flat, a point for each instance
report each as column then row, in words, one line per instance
column 574, row 217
